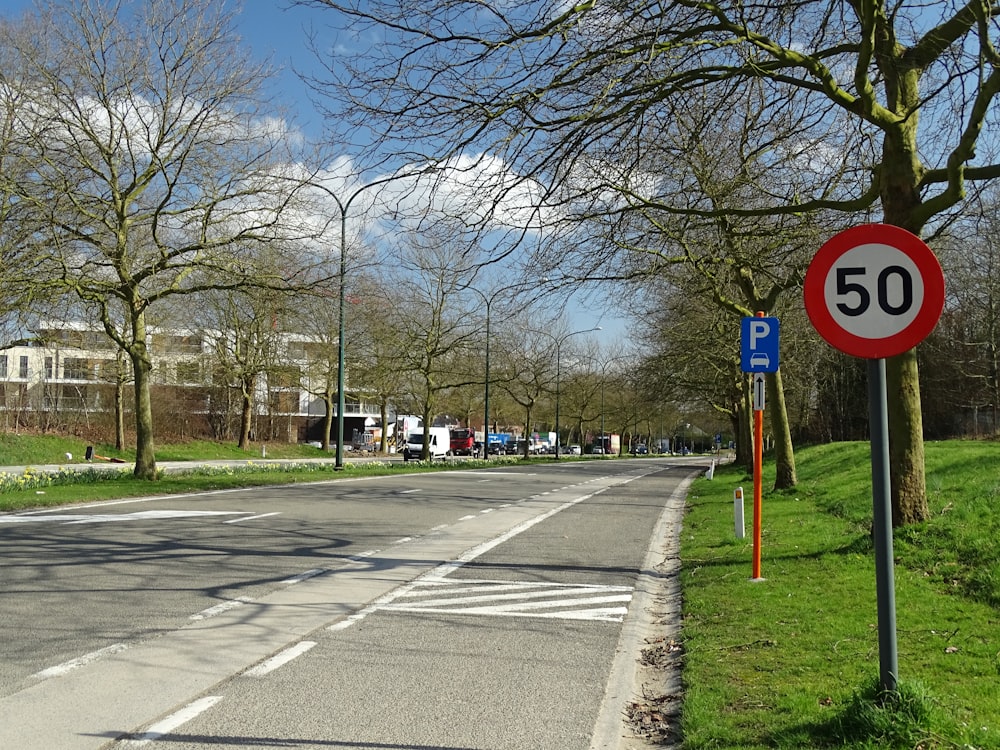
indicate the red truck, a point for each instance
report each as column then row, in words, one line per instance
column 463, row 441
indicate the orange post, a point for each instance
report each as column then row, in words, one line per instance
column 758, row 460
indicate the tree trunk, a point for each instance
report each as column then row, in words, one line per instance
column 145, row 459
column 901, row 199
column 327, row 418
column 119, row 414
column 744, row 439
column 906, row 443
column 384, row 416
column 246, row 410
column 784, row 455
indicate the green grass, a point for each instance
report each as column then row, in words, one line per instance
column 77, row 481
column 788, row 662
column 792, row 661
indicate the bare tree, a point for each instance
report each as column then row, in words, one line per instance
column 891, row 100
column 433, row 339
column 153, row 170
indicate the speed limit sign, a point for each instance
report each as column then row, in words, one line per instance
column 874, row 291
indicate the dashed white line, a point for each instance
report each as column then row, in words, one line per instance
column 304, row 576
column 252, row 518
column 169, row 724
column 361, row 556
column 218, row 609
column 80, row 661
column 403, row 540
column 280, row 659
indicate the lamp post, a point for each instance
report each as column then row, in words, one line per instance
column 343, row 206
column 604, row 373
column 559, row 342
column 488, row 301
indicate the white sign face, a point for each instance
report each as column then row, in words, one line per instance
column 759, row 391
column 874, row 291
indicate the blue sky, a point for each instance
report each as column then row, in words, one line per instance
column 270, row 29
column 273, row 30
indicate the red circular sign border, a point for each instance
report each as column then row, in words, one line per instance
column 885, row 234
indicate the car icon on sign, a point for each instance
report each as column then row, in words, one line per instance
column 760, row 359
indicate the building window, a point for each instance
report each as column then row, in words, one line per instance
column 75, row 368
column 188, row 372
column 48, row 368
column 23, row 367
column 3, row 365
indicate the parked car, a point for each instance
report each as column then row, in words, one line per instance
column 597, row 450
column 640, row 450
column 574, row 450
column 514, row 448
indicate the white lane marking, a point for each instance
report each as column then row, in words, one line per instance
column 466, row 518
column 407, row 492
column 361, row 556
column 403, row 540
column 280, row 659
column 169, row 724
column 80, row 661
column 304, row 576
column 218, row 609
column 488, row 510
column 252, row 518
column 498, row 472
column 142, row 515
column 532, row 599
column 441, row 571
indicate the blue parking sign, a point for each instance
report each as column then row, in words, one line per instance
column 759, row 344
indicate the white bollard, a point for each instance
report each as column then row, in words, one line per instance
column 738, row 513
column 710, row 474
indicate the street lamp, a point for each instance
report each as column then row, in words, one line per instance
column 604, row 372
column 343, row 206
column 559, row 342
column 488, row 301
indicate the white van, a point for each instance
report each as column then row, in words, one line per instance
column 440, row 447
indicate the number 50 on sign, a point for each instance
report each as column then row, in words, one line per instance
column 874, row 291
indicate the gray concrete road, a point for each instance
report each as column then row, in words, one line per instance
column 500, row 608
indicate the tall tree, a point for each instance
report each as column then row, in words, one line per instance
column 152, row 170
column 891, row 98
column 430, row 277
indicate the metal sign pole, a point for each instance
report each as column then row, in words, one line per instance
column 758, row 504
column 882, row 526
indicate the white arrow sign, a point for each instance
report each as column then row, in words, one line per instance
column 758, row 391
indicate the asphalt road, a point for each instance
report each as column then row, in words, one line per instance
column 481, row 609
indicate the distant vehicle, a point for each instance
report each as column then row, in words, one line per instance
column 440, row 444
column 496, row 448
column 640, row 450
column 514, row 447
column 597, row 450
column 574, row 450
column 463, row 441
column 363, row 442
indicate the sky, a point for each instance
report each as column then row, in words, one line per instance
column 278, row 31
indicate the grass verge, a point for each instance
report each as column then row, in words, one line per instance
column 792, row 661
column 77, row 481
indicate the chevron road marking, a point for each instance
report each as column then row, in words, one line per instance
column 564, row 601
